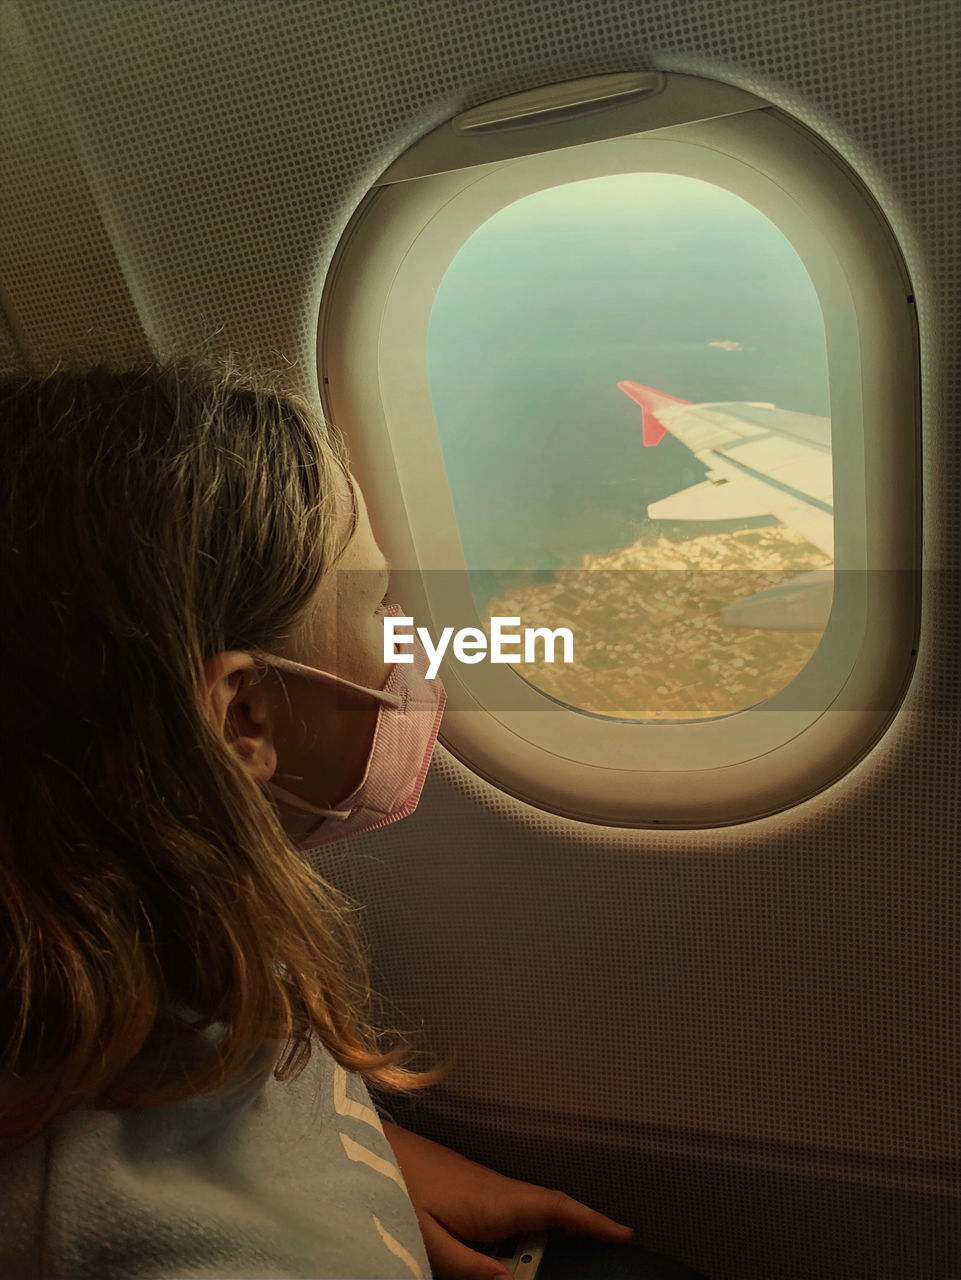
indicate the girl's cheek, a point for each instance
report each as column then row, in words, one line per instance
column 360, row 651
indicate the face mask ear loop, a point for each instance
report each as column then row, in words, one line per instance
column 299, row 669
column 297, row 803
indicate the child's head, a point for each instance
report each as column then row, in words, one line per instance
column 288, row 728
column 159, row 530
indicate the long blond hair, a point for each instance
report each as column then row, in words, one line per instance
column 151, row 519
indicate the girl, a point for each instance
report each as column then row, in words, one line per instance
column 190, row 691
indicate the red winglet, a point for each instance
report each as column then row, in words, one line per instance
column 650, row 401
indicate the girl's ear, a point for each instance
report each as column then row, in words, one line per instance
column 236, row 704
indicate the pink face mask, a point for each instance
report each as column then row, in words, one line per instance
column 404, row 738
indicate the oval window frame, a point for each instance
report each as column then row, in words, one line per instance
column 373, row 319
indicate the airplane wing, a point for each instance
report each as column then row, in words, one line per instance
column 761, row 460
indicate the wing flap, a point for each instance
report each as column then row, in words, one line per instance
column 713, row 500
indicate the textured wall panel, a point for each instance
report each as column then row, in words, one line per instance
column 742, row 1041
column 62, row 274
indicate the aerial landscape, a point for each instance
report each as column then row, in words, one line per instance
column 649, row 640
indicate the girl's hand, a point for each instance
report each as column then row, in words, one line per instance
column 457, row 1200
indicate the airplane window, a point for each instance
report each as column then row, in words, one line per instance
column 648, row 378
column 630, row 383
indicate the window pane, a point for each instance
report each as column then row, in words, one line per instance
column 630, row 383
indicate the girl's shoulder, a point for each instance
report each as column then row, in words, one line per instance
column 233, row 1183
